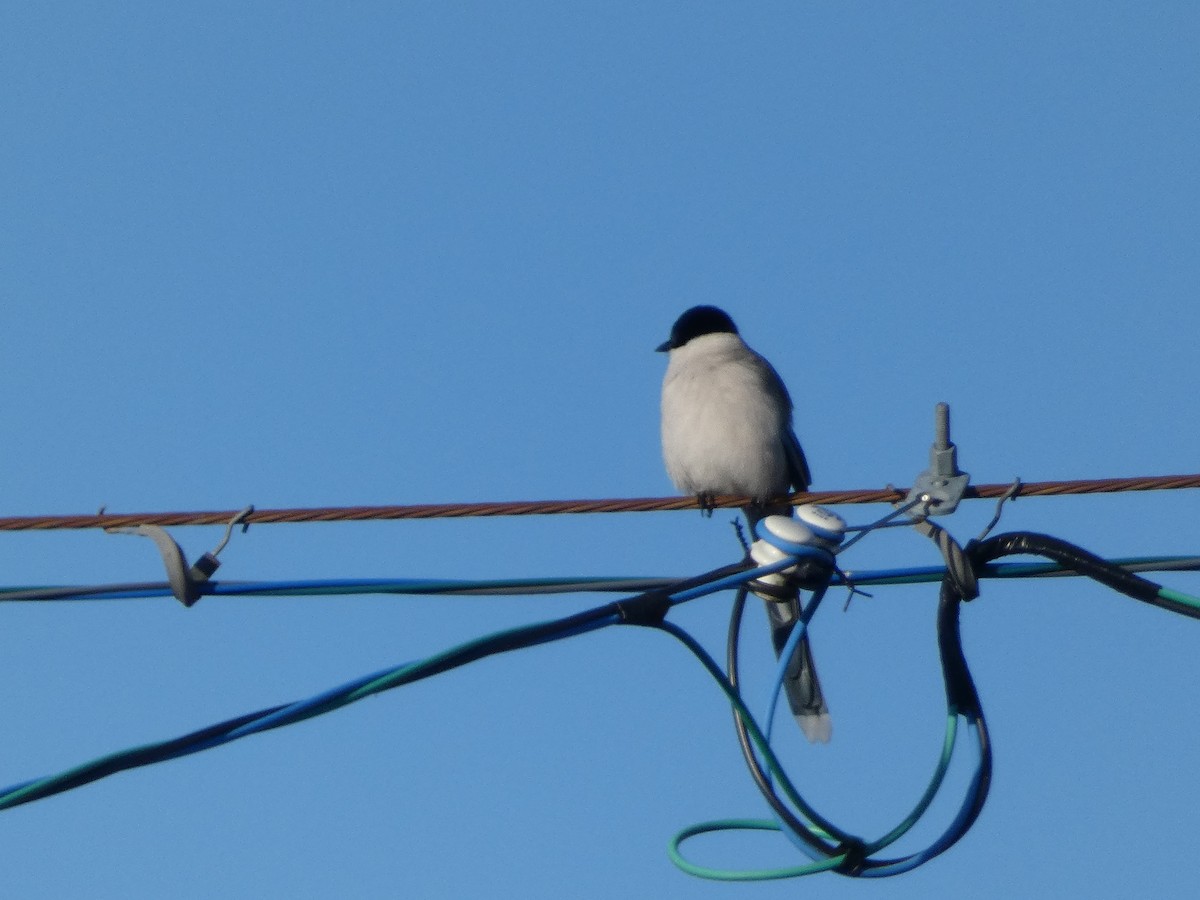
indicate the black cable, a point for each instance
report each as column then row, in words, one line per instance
column 761, row 779
column 1066, row 554
column 960, row 694
column 962, row 697
column 641, row 609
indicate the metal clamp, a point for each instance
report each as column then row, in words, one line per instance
column 940, row 488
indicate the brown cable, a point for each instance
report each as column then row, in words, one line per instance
column 555, row 507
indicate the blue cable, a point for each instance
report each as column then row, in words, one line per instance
column 350, row 692
column 327, row 701
column 435, row 586
column 810, row 844
column 776, row 688
column 953, row 830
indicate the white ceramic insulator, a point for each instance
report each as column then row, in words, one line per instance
column 829, row 527
column 787, row 528
column 765, row 554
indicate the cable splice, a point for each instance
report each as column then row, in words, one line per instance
column 1067, row 554
column 648, row 609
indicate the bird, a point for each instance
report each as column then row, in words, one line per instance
column 727, row 429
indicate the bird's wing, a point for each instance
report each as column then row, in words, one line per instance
column 797, row 464
column 798, row 472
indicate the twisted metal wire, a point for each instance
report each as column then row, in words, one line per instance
column 559, row 507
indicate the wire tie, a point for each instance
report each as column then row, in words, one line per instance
column 649, row 608
column 773, row 593
column 856, row 857
column 851, row 588
column 741, row 535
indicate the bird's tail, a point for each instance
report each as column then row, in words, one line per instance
column 800, row 682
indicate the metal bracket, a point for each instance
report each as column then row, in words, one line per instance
column 184, row 581
column 941, row 486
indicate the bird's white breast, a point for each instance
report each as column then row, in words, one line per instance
column 723, row 425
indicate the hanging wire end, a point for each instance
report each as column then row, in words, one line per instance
column 1010, row 494
column 238, row 519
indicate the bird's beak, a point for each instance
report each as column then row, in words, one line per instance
column 663, row 347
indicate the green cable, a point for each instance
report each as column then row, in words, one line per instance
column 837, row 858
column 935, row 784
column 824, row 828
column 1179, row 597
column 742, row 874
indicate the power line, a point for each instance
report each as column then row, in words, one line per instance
column 559, row 507
column 829, row 847
column 524, row 587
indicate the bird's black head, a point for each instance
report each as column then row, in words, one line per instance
column 697, row 321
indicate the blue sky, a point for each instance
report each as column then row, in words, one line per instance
column 302, row 255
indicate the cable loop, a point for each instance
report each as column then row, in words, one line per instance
column 958, row 563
